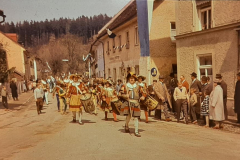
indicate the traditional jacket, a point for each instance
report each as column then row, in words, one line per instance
column 74, row 92
column 133, row 93
column 106, row 95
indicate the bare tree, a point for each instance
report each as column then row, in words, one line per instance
column 67, row 47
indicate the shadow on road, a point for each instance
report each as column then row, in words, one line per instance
column 131, row 130
column 83, row 121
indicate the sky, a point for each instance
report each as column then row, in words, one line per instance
column 20, row 10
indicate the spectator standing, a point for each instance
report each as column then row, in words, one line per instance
column 205, row 107
column 181, row 97
column 38, row 95
column 237, row 98
column 193, row 103
column 196, row 84
column 224, row 87
column 204, row 87
column 14, row 91
column 184, row 82
column 173, row 83
column 216, row 109
column 4, row 94
column 163, row 97
column 210, row 84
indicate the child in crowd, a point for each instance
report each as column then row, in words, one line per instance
column 193, row 107
column 205, row 107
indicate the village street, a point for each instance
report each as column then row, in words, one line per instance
column 49, row 136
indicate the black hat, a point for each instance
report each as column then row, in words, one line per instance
column 194, row 74
column 131, row 74
column 171, row 75
column 161, row 77
column 218, row 76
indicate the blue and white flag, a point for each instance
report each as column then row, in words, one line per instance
column 144, row 13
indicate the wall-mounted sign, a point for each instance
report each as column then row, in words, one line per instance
column 154, row 72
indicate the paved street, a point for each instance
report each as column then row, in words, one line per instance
column 27, row 136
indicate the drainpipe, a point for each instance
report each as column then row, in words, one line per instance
column 103, row 59
column 238, row 50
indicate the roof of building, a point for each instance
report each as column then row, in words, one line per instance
column 124, row 15
column 5, row 34
column 12, row 36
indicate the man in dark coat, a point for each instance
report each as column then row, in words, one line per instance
column 13, row 87
column 205, row 87
column 224, row 87
column 173, row 83
column 237, row 98
column 196, row 84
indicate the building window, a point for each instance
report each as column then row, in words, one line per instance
column 136, row 36
column 108, row 51
column 120, row 42
column 204, row 14
column 127, row 40
column 206, row 18
column 114, row 74
column 173, row 31
column 113, row 43
column 205, row 65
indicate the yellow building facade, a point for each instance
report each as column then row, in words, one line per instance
column 122, row 54
column 15, row 54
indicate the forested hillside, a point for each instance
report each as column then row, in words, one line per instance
column 38, row 33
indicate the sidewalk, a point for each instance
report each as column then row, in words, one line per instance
column 16, row 105
column 232, row 120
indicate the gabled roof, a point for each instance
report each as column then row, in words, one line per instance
column 123, row 16
column 12, row 40
column 12, row 36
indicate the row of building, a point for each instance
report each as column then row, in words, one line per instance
column 185, row 36
column 16, row 61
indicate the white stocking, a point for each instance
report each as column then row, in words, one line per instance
column 136, row 124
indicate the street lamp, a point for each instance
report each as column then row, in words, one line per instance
column 2, row 15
